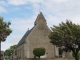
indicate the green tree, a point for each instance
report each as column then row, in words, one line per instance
column 13, row 47
column 39, row 52
column 4, row 31
column 78, row 54
column 9, row 51
column 66, row 35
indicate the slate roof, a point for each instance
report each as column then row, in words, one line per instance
column 24, row 37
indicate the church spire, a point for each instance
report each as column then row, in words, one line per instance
column 40, row 19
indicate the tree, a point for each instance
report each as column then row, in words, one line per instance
column 9, row 51
column 66, row 35
column 13, row 47
column 4, row 31
column 39, row 52
column 78, row 54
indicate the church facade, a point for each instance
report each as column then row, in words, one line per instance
column 35, row 38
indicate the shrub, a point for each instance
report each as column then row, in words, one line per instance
column 39, row 52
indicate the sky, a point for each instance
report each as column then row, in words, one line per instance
column 23, row 13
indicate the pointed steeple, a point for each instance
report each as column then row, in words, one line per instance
column 40, row 19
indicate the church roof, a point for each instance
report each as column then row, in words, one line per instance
column 24, row 37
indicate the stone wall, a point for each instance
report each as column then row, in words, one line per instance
column 20, row 51
column 39, row 38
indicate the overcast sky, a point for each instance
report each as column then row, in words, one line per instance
column 23, row 13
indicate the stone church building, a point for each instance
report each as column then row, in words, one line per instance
column 35, row 38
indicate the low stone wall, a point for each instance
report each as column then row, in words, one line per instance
column 50, row 59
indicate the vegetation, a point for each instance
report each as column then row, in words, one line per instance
column 67, row 35
column 4, row 31
column 39, row 52
column 60, row 51
column 78, row 54
column 9, row 51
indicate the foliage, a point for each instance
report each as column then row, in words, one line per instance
column 66, row 34
column 4, row 29
column 9, row 51
column 13, row 47
column 39, row 52
column 74, row 55
column 60, row 51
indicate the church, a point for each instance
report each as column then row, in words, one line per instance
column 35, row 38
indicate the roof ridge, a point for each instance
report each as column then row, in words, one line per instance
column 25, row 36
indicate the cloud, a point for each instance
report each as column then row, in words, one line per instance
column 76, row 19
column 57, row 12
column 2, row 9
column 17, row 2
column 15, row 9
column 60, row 1
column 5, row 45
column 3, row 3
column 22, row 23
column 23, row 2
